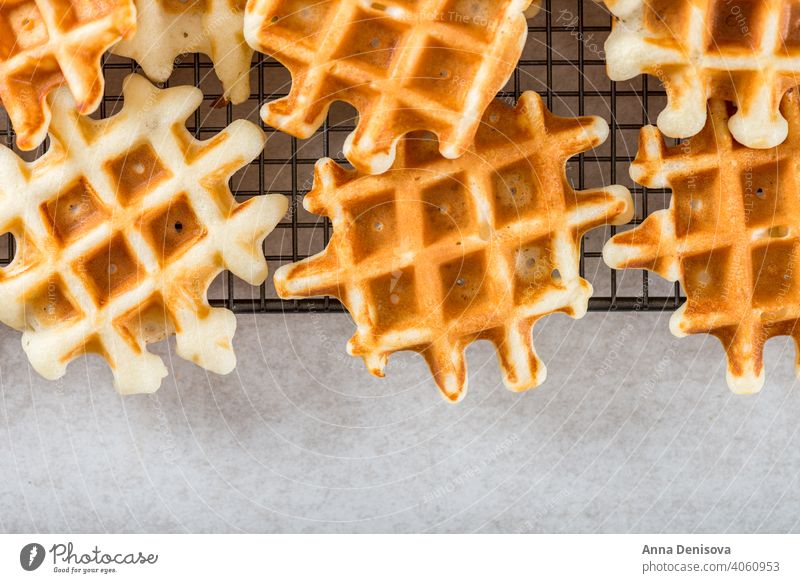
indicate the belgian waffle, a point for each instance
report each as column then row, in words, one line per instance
column 120, row 228
column 48, row 43
column 745, row 51
column 437, row 253
column 405, row 65
column 169, row 28
column 730, row 236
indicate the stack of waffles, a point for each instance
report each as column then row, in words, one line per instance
column 730, row 69
column 456, row 222
column 467, row 231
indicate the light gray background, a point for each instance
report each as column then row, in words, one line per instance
column 633, row 431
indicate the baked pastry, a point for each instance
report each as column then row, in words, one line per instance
column 743, row 51
column 169, row 28
column 120, row 228
column 533, row 9
column 438, row 253
column 730, row 236
column 404, row 65
column 48, row 43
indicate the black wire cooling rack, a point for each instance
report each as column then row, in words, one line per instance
column 562, row 60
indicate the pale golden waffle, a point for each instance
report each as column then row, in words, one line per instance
column 405, row 65
column 745, row 51
column 438, row 253
column 48, row 43
column 730, row 236
column 120, row 228
column 169, row 28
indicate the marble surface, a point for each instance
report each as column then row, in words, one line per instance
column 633, row 431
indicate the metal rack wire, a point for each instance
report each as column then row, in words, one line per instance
column 562, row 60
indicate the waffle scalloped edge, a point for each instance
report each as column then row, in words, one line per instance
column 213, row 28
column 533, row 10
column 403, row 69
column 438, row 253
column 749, row 57
column 120, row 228
column 46, row 48
column 730, row 236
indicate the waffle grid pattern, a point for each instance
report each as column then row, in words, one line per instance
column 478, row 247
column 404, row 64
column 695, row 48
column 137, row 229
column 738, row 271
column 48, row 43
column 560, row 61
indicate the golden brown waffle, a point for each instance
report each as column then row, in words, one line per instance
column 533, row 9
column 730, row 237
column 405, row 65
column 120, row 228
column 745, row 51
column 437, row 253
column 169, row 28
column 48, row 43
